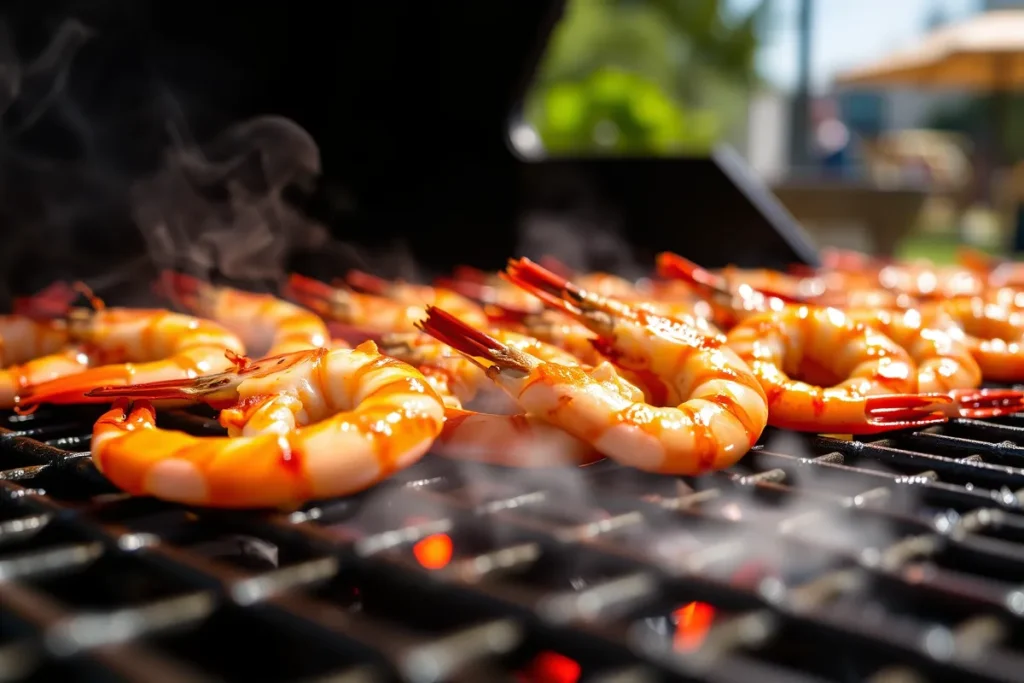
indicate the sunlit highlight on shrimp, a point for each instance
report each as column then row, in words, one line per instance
column 944, row 361
column 307, row 425
column 873, row 380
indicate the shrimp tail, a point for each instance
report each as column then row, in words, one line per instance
column 903, row 411
column 477, row 346
column 556, row 266
column 74, row 388
column 469, row 274
column 365, row 282
column 215, row 389
column 675, row 267
column 305, row 289
column 985, row 403
column 52, row 302
column 315, row 295
column 551, row 288
column 184, row 290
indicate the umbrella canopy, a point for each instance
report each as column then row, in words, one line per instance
column 984, row 53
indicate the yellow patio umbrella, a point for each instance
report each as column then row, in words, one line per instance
column 984, row 53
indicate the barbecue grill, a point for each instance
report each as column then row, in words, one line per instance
column 884, row 559
column 892, row 559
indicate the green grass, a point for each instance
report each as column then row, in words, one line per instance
column 940, row 250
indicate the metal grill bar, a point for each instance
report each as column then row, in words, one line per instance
column 895, row 559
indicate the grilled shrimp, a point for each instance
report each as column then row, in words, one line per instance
column 34, row 351
column 302, row 426
column 994, row 334
column 723, row 408
column 368, row 312
column 873, row 380
column 268, row 326
column 944, row 361
column 503, row 435
column 419, row 296
column 712, row 431
column 133, row 346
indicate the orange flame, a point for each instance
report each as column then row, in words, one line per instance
column 434, row 552
column 693, row 621
column 551, row 667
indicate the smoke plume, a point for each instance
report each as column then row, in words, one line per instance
column 221, row 207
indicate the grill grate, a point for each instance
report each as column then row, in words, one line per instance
column 898, row 559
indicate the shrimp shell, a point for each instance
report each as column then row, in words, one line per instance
column 34, row 351
column 307, row 425
column 137, row 346
column 877, row 377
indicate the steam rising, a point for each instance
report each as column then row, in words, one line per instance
column 113, row 197
column 221, row 208
column 586, row 236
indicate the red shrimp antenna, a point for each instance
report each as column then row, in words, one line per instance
column 985, row 403
column 365, row 282
column 903, row 411
column 481, row 348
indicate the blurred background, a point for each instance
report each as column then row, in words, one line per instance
column 883, row 125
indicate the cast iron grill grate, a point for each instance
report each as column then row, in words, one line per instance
column 886, row 559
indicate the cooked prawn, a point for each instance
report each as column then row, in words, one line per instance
column 875, row 378
column 370, row 313
column 713, row 430
column 503, row 435
column 419, row 296
column 944, row 361
column 994, row 334
column 34, row 351
column 717, row 410
column 268, row 326
column 134, row 346
column 307, row 425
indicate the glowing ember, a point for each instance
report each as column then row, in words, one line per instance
column 550, row 667
column 434, row 552
column 692, row 624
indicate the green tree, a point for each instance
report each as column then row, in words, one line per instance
column 644, row 76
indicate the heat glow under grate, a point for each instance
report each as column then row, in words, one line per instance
column 896, row 559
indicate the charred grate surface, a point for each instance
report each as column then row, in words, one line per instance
column 896, row 559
